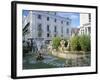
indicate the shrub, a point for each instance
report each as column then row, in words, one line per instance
column 74, row 42
column 85, row 42
column 56, row 42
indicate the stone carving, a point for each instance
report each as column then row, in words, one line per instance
column 68, row 46
column 62, row 46
column 39, row 57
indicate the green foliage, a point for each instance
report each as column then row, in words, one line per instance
column 81, row 42
column 56, row 42
column 74, row 42
column 85, row 42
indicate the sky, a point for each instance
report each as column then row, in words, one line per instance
column 75, row 17
column 25, row 12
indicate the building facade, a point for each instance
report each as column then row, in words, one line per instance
column 85, row 24
column 42, row 26
column 75, row 31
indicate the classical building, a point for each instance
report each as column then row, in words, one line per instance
column 42, row 26
column 85, row 24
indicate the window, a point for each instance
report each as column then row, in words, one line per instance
column 67, row 23
column 39, row 27
column 48, row 35
column 55, row 29
column 47, row 18
column 89, row 17
column 89, row 29
column 48, row 28
column 55, row 20
column 39, row 30
column 39, row 16
column 67, row 31
column 62, row 29
column 61, row 22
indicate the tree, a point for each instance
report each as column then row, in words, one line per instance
column 85, row 42
column 56, row 42
column 74, row 42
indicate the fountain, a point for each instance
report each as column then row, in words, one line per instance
column 39, row 57
column 50, row 46
column 62, row 46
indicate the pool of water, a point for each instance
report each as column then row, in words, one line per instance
column 49, row 61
